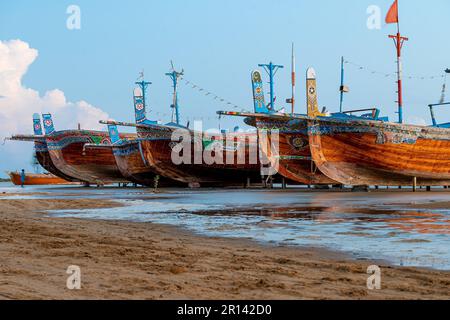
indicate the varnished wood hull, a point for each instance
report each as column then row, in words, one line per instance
column 44, row 159
column 358, row 152
column 95, row 166
column 293, row 157
column 157, row 150
column 133, row 167
column 32, row 179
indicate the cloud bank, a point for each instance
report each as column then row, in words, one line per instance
column 18, row 103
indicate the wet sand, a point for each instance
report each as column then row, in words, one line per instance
column 125, row 260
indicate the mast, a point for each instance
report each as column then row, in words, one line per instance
column 143, row 85
column 293, row 80
column 174, row 75
column 398, row 41
column 342, row 85
column 444, row 86
column 271, row 69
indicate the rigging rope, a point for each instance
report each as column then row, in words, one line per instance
column 372, row 71
column 214, row 96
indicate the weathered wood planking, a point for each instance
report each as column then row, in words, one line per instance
column 362, row 152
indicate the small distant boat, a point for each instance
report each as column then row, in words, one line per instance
column 37, row 179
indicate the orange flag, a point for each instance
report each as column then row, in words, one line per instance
column 392, row 15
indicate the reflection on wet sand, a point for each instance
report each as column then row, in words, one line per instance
column 400, row 227
column 408, row 221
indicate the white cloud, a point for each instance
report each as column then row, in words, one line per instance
column 18, row 103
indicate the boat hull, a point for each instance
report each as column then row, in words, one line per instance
column 132, row 165
column 157, row 144
column 44, row 159
column 293, row 158
column 378, row 153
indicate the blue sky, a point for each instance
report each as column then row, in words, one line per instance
column 218, row 43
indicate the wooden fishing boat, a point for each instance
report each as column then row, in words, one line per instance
column 157, row 147
column 36, row 179
column 363, row 151
column 41, row 150
column 236, row 167
column 290, row 154
column 66, row 149
column 131, row 163
column 356, row 152
column 42, row 154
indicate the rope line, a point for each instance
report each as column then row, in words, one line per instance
column 208, row 93
column 385, row 74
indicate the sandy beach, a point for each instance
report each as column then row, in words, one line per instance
column 125, row 260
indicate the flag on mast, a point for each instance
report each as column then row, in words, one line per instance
column 392, row 15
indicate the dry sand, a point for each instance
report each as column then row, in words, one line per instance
column 122, row 260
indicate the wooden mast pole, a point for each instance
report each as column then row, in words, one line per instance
column 341, row 101
column 293, row 80
column 398, row 41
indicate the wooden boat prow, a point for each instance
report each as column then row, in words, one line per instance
column 283, row 139
column 380, row 153
column 358, row 151
column 66, row 149
column 131, row 162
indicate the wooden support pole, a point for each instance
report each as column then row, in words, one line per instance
column 414, row 184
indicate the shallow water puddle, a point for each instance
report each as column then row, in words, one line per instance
column 401, row 227
column 362, row 225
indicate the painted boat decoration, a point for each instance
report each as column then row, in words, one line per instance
column 362, row 151
column 66, row 149
column 41, row 150
column 291, row 156
column 357, row 152
column 237, row 167
column 37, row 179
column 157, row 147
column 131, row 163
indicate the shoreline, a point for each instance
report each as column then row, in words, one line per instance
column 136, row 260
